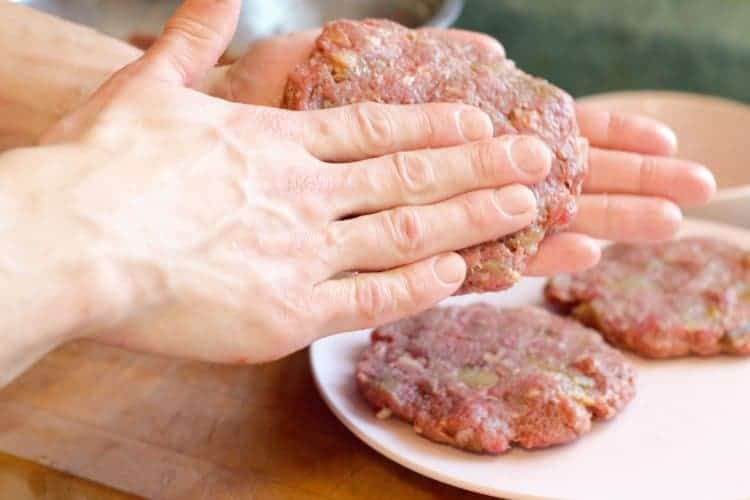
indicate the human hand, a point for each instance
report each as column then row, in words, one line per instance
column 220, row 231
column 633, row 190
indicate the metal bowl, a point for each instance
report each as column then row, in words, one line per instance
column 127, row 19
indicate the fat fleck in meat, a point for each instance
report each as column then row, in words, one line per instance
column 377, row 60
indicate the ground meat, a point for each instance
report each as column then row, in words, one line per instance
column 689, row 296
column 381, row 61
column 483, row 379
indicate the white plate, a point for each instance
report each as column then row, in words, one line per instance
column 685, row 436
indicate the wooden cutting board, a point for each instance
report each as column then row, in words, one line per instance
column 24, row 480
column 169, row 429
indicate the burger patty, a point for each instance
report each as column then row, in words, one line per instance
column 689, row 296
column 484, row 379
column 378, row 60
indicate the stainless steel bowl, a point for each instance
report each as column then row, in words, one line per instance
column 260, row 18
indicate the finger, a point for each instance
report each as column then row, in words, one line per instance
column 365, row 130
column 367, row 300
column 684, row 182
column 258, row 69
column 481, row 40
column 429, row 176
column 293, row 48
column 627, row 218
column 193, row 40
column 626, row 132
column 564, row 253
column 408, row 234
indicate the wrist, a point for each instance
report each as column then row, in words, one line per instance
column 43, row 309
column 55, row 292
column 64, row 275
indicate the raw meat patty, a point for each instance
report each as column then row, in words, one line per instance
column 483, row 379
column 382, row 61
column 689, row 296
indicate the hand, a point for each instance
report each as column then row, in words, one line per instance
column 633, row 190
column 220, row 231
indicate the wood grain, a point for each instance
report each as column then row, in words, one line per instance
column 24, row 480
column 170, row 429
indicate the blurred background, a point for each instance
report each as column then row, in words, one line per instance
column 585, row 46
column 593, row 46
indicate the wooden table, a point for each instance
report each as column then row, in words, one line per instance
column 169, row 429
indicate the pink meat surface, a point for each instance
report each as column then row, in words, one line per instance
column 483, row 379
column 689, row 296
column 381, row 61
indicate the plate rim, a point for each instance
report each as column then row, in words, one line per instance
column 691, row 224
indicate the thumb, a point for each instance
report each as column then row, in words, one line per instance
column 192, row 41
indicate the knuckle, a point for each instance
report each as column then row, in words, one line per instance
column 192, row 29
column 333, row 238
column 424, row 124
column 485, row 158
column 406, row 230
column 179, row 61
column 372, row 298
column 414, row 288
column 315, row 124
column 185, row 34
column 373, row 122
column 414, row 171
column 478, row 210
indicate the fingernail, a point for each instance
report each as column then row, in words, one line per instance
column 530, row 155
column 450, row 269
column 515, row 200
column 475, row 125
column 671, row 138
column 705, row 182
